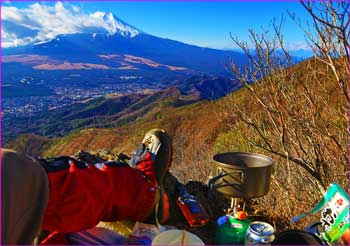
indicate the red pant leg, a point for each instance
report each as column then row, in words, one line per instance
column 80, row 197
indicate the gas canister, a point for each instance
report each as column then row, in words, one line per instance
column 231, row 230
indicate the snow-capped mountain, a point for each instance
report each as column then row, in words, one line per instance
column 102, row 41
column 40, row 23
column 105, row 24
column 123, row 51
column 113, row 25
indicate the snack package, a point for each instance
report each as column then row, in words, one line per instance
column 144, row 233
column 334, row 208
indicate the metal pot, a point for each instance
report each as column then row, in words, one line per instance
column 240, row 174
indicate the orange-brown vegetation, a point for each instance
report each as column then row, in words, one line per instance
column 70, row 66
column 300, row 121
column 46, row 63
column 123, row 62
column 27, row 59
column 297, row 114
column 194, row 128
column 30, row 144
column 151, row 63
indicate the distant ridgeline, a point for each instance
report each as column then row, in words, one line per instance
column 112, row 111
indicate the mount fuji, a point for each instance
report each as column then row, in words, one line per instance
column 115, row 25
column 116, row 48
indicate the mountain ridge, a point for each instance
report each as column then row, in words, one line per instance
column 116, row 110
column 87, row 48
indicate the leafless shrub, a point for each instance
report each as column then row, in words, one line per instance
column 297, row 113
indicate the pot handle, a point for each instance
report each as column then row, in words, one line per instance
column 211, row 182
column 214, row 179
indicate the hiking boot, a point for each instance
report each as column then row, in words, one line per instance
column 158, row 144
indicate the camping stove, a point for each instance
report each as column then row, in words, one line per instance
column 236, row 206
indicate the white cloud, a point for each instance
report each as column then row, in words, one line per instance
column 12, row 14
column 6, row 35
column 10, row 40
column 41, row 22
column 75, row 8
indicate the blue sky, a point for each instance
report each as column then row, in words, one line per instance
column 201, row 23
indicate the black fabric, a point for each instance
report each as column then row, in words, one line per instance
column 138, row 155
column 116, row 164
column 61, row 163
column 296, row 237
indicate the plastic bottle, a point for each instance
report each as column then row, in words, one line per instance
column 191, row 208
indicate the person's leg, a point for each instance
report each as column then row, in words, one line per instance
column 109, row 192
column 82, row 195
column 159, row 143
column 25, row 192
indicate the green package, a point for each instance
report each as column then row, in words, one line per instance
column 335, row 212
column 335, row 215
